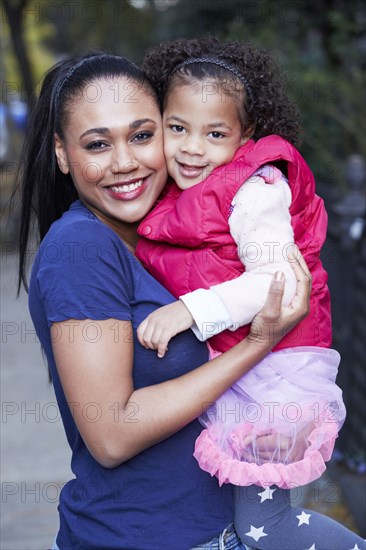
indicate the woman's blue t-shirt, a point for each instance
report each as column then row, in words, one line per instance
column 159, row 499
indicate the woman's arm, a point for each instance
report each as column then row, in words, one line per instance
column 130, row 420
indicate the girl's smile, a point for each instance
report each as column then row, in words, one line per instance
column 190, row 170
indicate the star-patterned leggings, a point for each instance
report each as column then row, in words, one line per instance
column 265, row 520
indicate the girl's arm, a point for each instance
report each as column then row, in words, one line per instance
column 101, row 373
column 260, row 225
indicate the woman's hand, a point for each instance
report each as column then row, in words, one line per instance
column 274, row 321
column 276, row 447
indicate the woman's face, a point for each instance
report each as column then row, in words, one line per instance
column 112, row 146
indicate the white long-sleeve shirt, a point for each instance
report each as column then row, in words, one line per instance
column 260, row 224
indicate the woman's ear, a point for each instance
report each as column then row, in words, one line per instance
column 61, row 155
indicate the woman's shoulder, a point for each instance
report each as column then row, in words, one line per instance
column 80, row 241
column 80, row 251
column 77, row 227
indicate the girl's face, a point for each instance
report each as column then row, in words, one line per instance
column 202, row 130
column 113, row 148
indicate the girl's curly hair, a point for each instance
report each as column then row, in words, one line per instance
column 270, row 112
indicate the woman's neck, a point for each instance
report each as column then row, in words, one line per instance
column 128, row 235
column 127, row 232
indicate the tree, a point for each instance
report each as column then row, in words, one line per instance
column 14, row 10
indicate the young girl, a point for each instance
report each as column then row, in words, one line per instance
column 242, row 196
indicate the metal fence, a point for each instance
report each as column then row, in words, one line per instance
column 344, row 257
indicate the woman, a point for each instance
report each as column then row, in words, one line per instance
column 94, row 162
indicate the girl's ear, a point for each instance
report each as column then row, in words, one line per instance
column 61, row 155
column 247, row 135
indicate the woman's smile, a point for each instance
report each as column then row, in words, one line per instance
column 128, row 190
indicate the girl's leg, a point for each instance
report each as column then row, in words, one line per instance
column 265, row 519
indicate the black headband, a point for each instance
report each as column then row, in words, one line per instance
column 69, row 74
column 77, row 66
column 222, row 64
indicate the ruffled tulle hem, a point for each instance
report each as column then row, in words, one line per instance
column 229, row 469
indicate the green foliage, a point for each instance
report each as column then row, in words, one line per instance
column 320, row 43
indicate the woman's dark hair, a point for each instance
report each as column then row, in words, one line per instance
column 264, row 105
column 46, row 193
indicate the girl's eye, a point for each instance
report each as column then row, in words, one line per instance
column 142, row 137
column 96, row 145
column 176, row 128
column 216, row 135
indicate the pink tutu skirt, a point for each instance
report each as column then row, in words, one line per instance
column 277, row 425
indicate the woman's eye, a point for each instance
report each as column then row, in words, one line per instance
column 142, row 136
column 96, row 145
column 216, row 135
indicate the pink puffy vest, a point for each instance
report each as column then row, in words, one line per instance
column 186, row 242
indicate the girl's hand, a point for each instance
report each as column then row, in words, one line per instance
column 274, row 321
column 161, row 325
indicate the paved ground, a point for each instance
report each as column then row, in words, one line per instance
column 34, row 453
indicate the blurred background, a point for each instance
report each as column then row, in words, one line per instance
column 321, row 45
